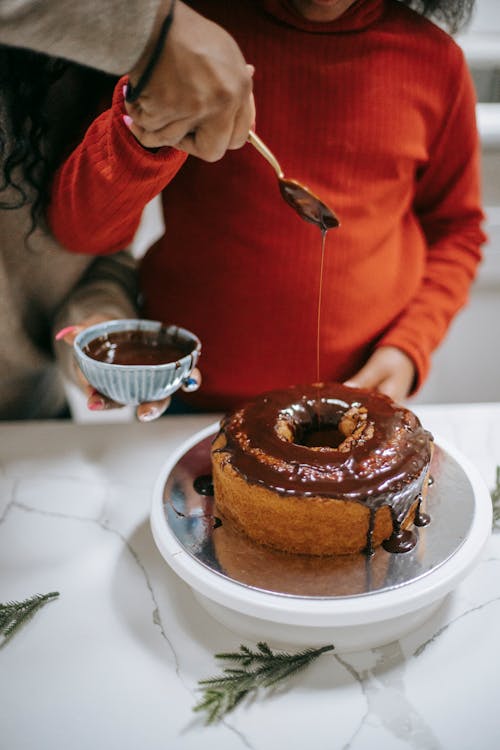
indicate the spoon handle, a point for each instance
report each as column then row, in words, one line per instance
column 263, row 150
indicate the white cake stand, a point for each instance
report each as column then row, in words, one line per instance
column 414, row 586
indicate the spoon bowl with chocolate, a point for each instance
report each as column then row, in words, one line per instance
column 132, row 361
column 308, row 206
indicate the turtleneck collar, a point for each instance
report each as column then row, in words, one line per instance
column 360, row 15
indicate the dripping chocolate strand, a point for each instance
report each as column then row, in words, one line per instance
column 421, row 518
column 320, row 299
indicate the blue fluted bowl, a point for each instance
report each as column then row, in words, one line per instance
column 136, row 383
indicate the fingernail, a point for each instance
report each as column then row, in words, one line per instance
column 190, row 384
column 150, row 414
column 124, row 91
column 95, row 403
column 127, row 120
column 64, row 332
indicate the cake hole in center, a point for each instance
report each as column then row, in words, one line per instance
column 320, row 434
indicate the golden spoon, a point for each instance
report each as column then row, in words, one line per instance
column 300, row 198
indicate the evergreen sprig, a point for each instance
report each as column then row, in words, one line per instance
column 15, row 614
column 263, row 668
column 495, row 499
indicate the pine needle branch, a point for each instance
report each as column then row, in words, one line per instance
column 262, row 668
column 495, row 499
column 14, row 614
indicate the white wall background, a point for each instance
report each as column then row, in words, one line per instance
column 467, row 365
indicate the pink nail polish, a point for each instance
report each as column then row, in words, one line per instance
column 127, row 120
column 95, row 404
column 124, row 91
column 64, row 332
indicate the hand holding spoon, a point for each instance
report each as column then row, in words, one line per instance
column 300, row 198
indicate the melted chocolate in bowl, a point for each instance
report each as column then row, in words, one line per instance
column 308, row 206
column 137, row 347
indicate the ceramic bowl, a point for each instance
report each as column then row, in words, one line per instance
column 136, row 383
column 415, row 584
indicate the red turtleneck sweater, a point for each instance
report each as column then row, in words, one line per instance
column 375, row 113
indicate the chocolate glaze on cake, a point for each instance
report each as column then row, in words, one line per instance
column 327, row 440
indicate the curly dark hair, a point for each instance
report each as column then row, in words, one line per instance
column 26, row 79
column 29, row 156
column 34, row 135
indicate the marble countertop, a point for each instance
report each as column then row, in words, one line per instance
column 114, row 661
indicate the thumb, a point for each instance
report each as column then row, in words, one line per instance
column 369, row 376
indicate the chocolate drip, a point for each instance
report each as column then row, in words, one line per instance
column 320, row 301
column 421, row 518
column 204, row 485
column 137, row 347
column 401, row 540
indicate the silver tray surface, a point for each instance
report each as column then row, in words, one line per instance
column 229, row 553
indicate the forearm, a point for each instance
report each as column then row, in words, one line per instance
column 99, row 193
column 110, row 36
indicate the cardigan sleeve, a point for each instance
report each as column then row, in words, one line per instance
column 107, row 288
column 98, row 194
column 108, row 35
column 448, row 205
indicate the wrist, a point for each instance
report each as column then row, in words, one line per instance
column 154, row 45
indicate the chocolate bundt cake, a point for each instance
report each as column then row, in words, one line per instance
column 323, row 469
